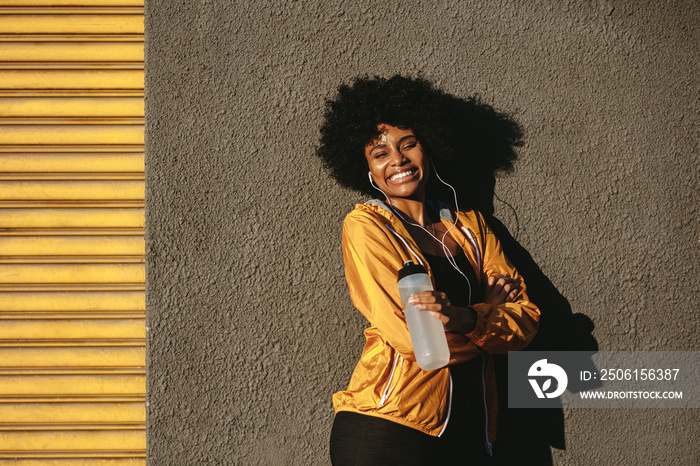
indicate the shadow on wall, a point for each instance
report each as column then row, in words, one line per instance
column 488, row 144
column 532, row 432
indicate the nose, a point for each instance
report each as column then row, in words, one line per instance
column 397, row 157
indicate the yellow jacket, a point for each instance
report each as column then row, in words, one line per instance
column 387, row 381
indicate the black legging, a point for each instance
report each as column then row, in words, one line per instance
column 361, row 440
column 358, row 439
column 364, row 440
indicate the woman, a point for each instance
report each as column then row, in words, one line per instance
column 388, row 137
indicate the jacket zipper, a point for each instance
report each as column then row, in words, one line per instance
column 489, row 447
column 449, row 406
column 475, row 245
column 471, row 239
column 388, row 389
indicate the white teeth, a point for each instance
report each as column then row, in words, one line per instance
column 402, row 175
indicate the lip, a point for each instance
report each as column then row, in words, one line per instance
column 405, row 179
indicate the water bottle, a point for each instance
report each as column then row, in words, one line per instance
column 427, row 333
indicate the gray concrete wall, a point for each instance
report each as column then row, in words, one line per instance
column 250, row 326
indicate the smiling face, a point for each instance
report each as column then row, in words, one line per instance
column 397, row 163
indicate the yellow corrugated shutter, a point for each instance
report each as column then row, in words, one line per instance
column 72, row 299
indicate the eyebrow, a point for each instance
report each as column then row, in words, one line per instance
column 378, row 146
column 382, row 145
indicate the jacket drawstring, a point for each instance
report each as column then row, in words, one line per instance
column 405, row 243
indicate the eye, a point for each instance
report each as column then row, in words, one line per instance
column 379, row 155
column 409, row 145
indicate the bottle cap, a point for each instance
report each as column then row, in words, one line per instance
column 409, row 268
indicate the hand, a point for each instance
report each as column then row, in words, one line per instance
column 502, row 289
column 454, row 318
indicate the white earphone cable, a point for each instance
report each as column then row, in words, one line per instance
column 448, row 255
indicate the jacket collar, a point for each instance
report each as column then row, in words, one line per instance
column 441, row 207
column 465, row 238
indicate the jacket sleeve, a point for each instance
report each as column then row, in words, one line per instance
column 373, row 258
column 509, row 326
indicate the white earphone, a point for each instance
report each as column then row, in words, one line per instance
column 371, row 181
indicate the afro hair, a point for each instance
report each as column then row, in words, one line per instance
column 467, row 140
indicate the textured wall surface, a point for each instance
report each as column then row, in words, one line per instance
column 250, row 325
